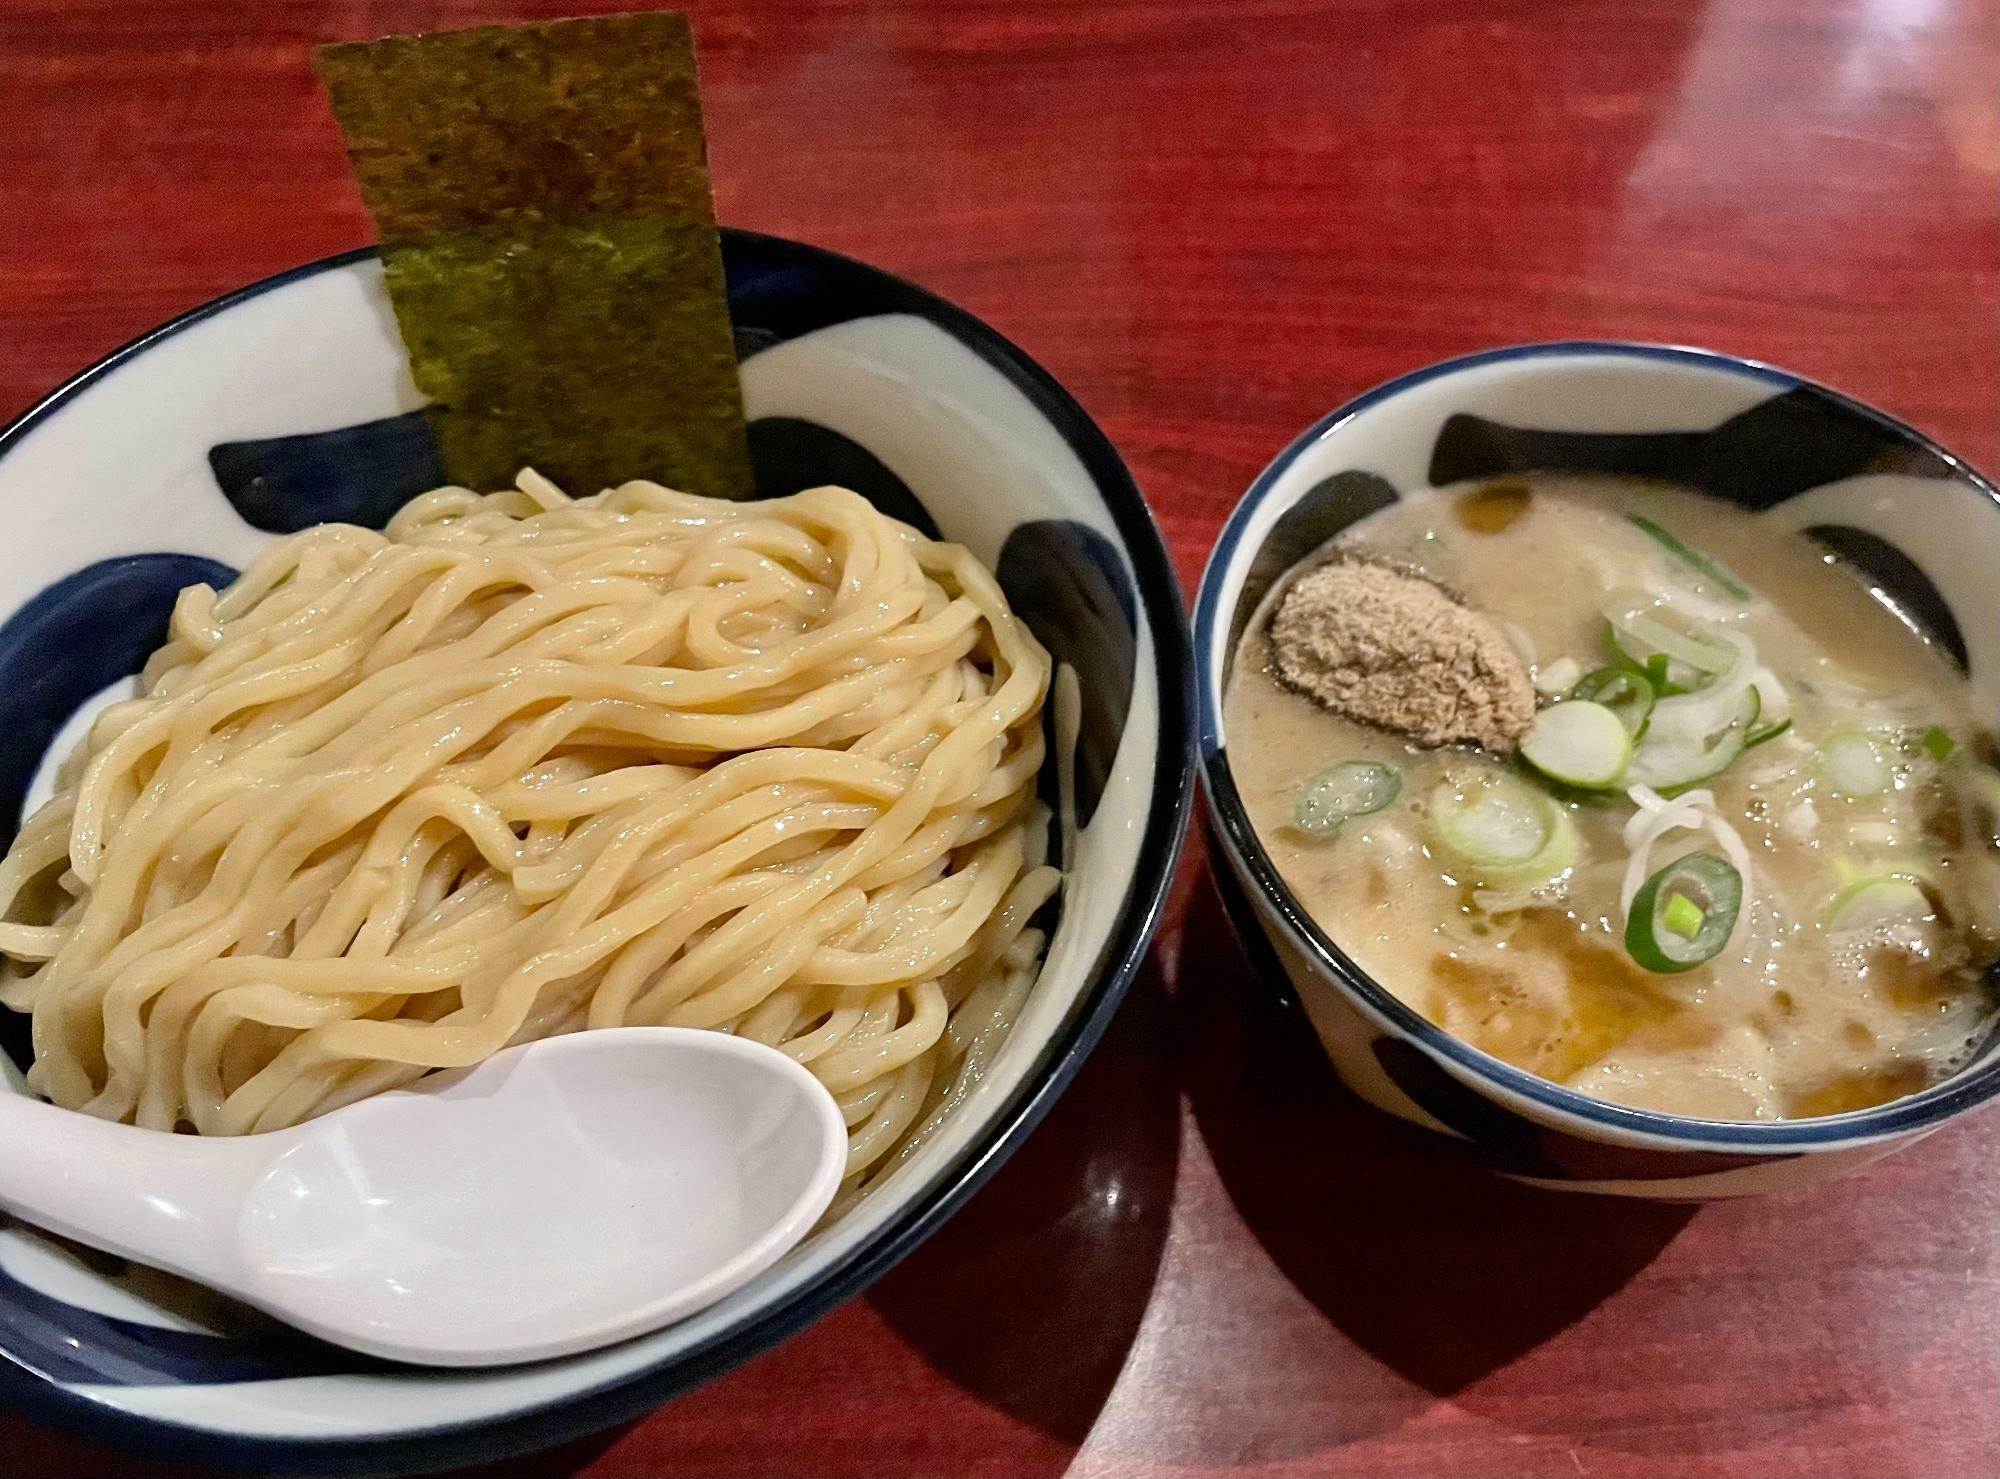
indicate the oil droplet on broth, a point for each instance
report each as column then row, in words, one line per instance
column 1862, row 1090
column 1608, row 999
column 1491, row 509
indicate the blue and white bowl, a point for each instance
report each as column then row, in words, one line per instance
column 1922, row 525
column 290, row 403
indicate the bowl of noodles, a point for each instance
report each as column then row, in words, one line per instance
column 317, row 777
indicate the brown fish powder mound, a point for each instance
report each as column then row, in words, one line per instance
column 1391, row 649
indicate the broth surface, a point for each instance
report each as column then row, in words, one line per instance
column 1794, row 1017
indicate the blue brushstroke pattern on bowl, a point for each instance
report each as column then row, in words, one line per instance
column 288, row 404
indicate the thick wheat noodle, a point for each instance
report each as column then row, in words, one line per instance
column 525, row 764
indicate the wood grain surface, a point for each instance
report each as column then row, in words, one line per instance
column 1213, row 222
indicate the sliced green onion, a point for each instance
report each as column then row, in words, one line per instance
column 1656, row 674
column 1852, row 764
column 1937, row 744
column 1763, row 734
column 1638, row 635
column 1883, row 899
column 1917, row 870
column 1683, row 915
column 1706, row 566
column 1711, row 706
column 1627, row 692
column 1558, row 677
column 1353, row 788
column 1579, row 743
column 1670, row 763
column 1503, row 828
column 1771, row 695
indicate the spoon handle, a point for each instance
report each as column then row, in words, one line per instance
column 166, row 1200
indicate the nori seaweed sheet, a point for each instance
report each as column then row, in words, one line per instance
column 549, row 240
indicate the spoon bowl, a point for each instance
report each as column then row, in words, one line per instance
column 560, row 1196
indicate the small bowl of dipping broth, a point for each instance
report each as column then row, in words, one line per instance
column 1599, row 740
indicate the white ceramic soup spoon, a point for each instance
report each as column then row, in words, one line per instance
column 562, row 1195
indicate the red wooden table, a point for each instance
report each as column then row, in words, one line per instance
column 1213, row 221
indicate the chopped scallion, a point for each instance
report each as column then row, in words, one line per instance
column 1852, row 764
column 1877, row 902
column 1765, row 733
column 1578, row 743
column 1353, row 788
column 1684, row 914
column 1706, row 566
column 1505, row 830
column 1627, row 692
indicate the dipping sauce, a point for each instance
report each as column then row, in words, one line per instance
column 1796, row 809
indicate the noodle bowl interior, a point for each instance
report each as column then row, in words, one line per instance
column 525, row 764
column 1738, row 859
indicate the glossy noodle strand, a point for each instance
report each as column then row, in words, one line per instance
column 525, row 764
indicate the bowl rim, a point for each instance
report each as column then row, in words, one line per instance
column 1913, row 1114
column 573, row 1414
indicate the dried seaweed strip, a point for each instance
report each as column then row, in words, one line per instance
column 549, row 238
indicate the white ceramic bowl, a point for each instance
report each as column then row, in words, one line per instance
column 1918, row 521
column 289, row 403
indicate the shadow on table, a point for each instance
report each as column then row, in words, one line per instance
column 1440, row 1270
column 1031, row 1296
